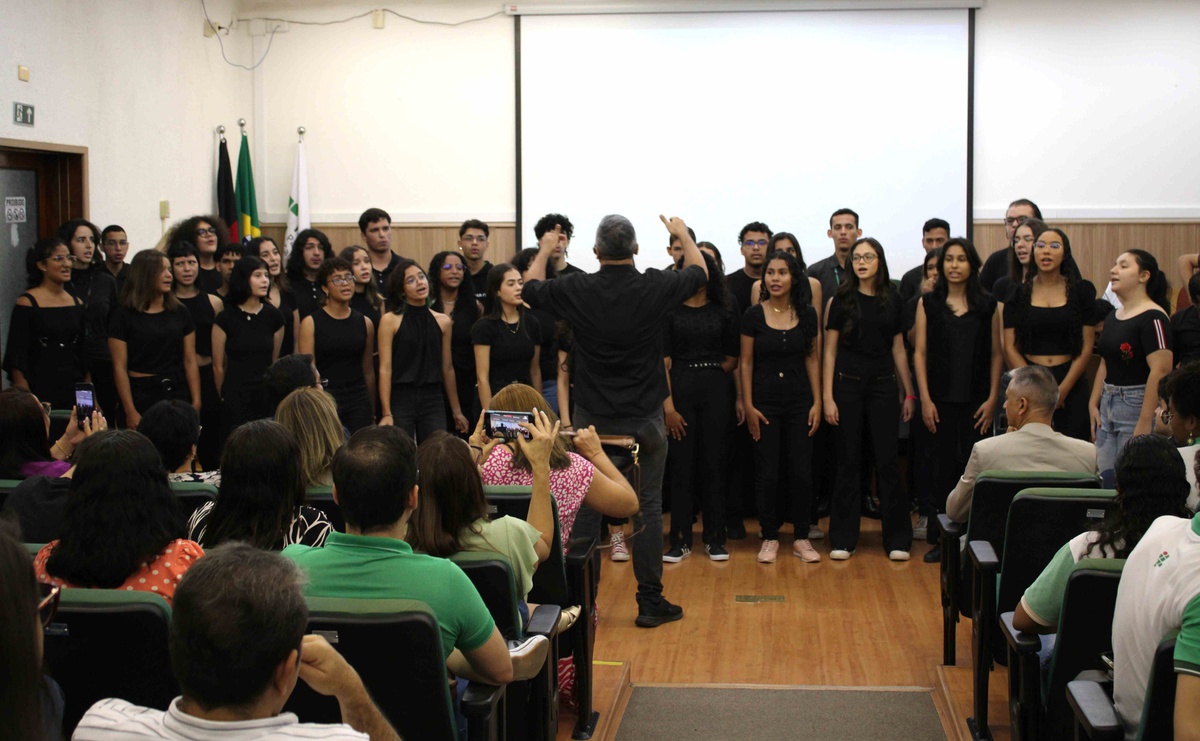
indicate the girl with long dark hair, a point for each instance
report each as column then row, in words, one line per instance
column 280, row 296
column 864, row 355
column 245, row 342
column 366, row 300
column 203, row 308
column 415, row 365
column 1049, row 320
column 122, row 527
column 261, row 497
column 506, row 339
column 343, row 344
column 97, row 289
column 448, row 271
column 1020, row 257
column 958, row 361
column 309, row 252
column 787, row 242
column 781, row 382
column 1135, row 352
column 152, row 340
column 45, row 352
column 700, row 344
column 209, row 234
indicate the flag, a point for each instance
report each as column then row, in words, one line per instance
column 226, row 204
column 297, row 217
column 247, row 204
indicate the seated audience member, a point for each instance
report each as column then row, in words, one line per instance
column 1150, row 484
column 287, row 374
column 454, row 514
column 261, row 497
column 1179, row 400
column 1185, row 326
column 31, row 703
column 122, row 526
column 1029, row 445
column 1159, row 596
column 25, row 448
column 174, row 428
column 375, row 484
column 583, row 476
column 237, row 648
column 39, row 502
column 311, row 415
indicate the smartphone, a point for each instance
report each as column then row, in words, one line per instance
column 85, row 402
column 506, row 425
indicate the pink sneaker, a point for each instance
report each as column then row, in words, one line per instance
column 804, row 550
column 767, row 553
column 620, row 551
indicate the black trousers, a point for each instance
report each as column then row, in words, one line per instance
column 148, row 391
column 868, row 402
column 354, row 405
column 419, row 410
column 1073, row 419
column 696, row 464
column 106, row 389
column 949, row 448
column 208, row 448
column 786, row 431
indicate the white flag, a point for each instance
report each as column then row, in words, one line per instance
column 297, row 218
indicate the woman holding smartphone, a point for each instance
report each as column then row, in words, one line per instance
column 245, row 341
column 152, row 340
column 864, row 358
column 506, row 339
column 280, row 296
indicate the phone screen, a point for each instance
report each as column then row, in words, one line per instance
column 85, row 403
column 507, row 424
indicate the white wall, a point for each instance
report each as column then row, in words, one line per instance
column 135, row 82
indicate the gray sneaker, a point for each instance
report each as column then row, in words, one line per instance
column 921, row 529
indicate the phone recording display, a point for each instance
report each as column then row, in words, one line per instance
column 506, row 425
column 85, row 402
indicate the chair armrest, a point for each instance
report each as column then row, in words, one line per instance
column 948, row 527
column 480, row 704
column 544, row 621
column 983, row 556
column 1094, row 711
column 579, row 551
column 1019, row 642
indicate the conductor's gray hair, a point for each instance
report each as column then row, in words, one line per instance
column 615, row 238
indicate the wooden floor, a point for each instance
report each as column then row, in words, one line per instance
column 866, row 622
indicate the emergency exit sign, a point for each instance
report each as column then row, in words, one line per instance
column 23, row 114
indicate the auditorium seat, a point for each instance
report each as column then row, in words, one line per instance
column 1037, row 700
column 321, row 497
column 192, row 495
column 1040, row 521
column 994, row 491
column 1096, row 717
column 6, row 487
column 396, row 648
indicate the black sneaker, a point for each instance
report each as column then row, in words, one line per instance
column 717, row 552
column 654, row 616
column 736, row 530
column 678, row 552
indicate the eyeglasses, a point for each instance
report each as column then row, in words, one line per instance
column 1050, row 245
column 48, row 605
column 206, row 231
column 412, row 280
column 754, row 243
column 452, row 266
column 1166, row 416
column 63, row 258
column 342, row 280
column 1014, row 220
column 867, row 257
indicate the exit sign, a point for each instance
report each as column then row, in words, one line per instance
column 23, row 114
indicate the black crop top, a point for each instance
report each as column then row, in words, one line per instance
column 338, row 346
column 778, row 351
column 1049, row 328
column 701, row 334
column 1126, row 343
column 154, row 342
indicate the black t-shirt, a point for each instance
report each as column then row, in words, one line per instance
column 618, row 344
column 39, row 503
column 381, row 276
column 202, row 318
column 568, row 269
column 740, row 286
column 208, row 280
column 1125, row 344
column 97, row 289
column 548, row 340
column 249, row 342
column 512, row 348
column 1185, row 327
column 338, row 346
column 307, row 295
column 154, row 342
column 477, row 282
column 910, row 284
column 777, row 352
column 701, row 334
column 1050, row 328
column 867, row 348
column 995, row 268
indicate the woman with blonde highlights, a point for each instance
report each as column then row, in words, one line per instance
column 311, row 415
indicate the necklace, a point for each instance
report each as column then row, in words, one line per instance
column 513, row 328
column 779, row 311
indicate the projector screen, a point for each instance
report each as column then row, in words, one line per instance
column 727, row 118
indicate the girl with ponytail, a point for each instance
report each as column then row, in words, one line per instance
column 1135, row 352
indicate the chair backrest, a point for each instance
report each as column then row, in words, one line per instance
column 550, row 579
column 321, row 497
column 109, row 643
column 1158, row 712
column 396, row 648
column 192, row 495
column 1084, row 632
column 6, row 486
column 492, row 576
column 995, row 490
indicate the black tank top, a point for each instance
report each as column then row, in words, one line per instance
column 338, row 346
column 202, row 316
column 417, row 348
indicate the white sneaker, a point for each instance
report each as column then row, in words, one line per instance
column 921, row 529
column 619, row 551
column 898, row 555
column 767, row 553
column 815, row 533
column 840, row 554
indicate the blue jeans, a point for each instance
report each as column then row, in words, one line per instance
column 647, row 541
column 1120, row 409
column 550, row 392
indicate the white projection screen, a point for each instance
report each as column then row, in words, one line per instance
column 723, row 118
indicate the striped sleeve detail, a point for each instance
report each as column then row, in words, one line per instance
column 1160, row 336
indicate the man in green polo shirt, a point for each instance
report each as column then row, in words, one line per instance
column 375, row 484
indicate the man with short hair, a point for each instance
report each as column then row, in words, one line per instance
column 996, row 266
column 752, row 240
column 1029, row 445
column 563, row 230
column 375, row 485
column 291, row 372
column 227, row 256
column 375, row 225
column 473, row 238
column 844, row 231
column 237, row 648
column 620, row 382
column 934, row 234
column 675, row 248
column 115, row 246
